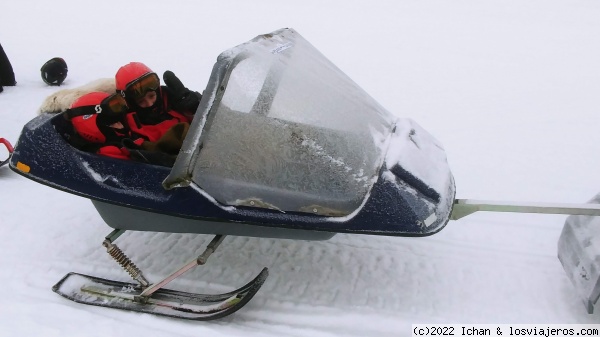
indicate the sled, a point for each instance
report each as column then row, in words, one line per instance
column 9, row 150
column 283, row 145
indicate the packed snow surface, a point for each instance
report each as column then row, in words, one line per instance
column 510, row 89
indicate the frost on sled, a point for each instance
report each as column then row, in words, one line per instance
column 283, row 145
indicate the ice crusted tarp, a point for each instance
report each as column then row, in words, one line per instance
column 283, row 128
column 579, row 253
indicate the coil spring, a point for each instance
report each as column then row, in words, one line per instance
column 116, row 253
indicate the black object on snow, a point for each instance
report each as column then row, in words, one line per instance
column 54, row 71
column 7, row 76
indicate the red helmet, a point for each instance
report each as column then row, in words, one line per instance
column 92, row 114
column 134, row 80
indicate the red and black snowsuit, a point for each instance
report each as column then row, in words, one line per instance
column 152, row 123
column 164, row 124
column 92, row 133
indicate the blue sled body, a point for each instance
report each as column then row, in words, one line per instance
column 282, row 145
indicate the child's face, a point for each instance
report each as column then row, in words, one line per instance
column 147, row 100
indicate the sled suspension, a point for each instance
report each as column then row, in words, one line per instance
column 152, row 298
column 116, row 253
column 200, row 260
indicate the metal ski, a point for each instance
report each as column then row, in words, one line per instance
column 126, row 296
column 152, row 298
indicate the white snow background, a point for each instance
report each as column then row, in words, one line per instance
column 510, row 88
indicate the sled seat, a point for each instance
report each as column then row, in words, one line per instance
column 63, row 127
column 579, row 254
column 66, row 130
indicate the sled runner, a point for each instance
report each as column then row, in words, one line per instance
column 283, row 145
column 152, row 298
column 9, row 150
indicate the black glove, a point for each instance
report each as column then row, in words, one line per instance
column 174, row 83
column 129, row 144
column 183, row 99
column 188, row 103
column 153, row 157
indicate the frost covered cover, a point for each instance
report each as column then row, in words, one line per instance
column 289, row 130
column 508, row 88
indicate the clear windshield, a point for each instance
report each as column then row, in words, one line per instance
column 290, row 131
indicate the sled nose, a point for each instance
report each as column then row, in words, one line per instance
column 579, row 254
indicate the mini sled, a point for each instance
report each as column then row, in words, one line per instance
column 283, row 145
column 9, row 149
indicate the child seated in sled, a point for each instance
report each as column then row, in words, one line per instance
column 97, row 120
column 154, row 108
column 143, row 121
column 99, row 126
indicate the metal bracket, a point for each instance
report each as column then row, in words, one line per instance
column 200, row 260
column 464, row 207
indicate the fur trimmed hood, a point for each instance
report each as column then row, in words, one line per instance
column 63, row 99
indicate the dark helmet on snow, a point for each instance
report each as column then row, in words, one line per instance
column 54, row 71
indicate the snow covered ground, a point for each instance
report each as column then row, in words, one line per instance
column 510, row 88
